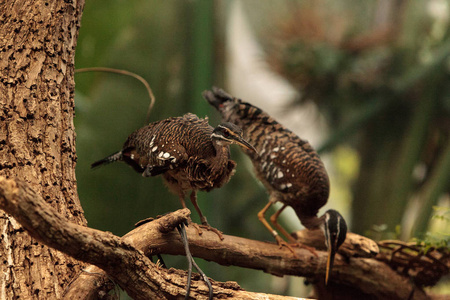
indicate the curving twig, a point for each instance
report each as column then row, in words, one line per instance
column 127, row 73
column 425, row 268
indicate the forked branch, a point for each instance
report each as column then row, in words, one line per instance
column 125, row 259
column 123, row 263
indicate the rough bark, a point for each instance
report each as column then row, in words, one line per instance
column 123, row 259
column 37, row 138
column 355, row 245
column 126, row 265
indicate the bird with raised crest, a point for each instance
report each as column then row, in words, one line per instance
column 189, row 153
column 290, row 169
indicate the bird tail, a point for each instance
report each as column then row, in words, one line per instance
column 109, row 159
column 216, row 97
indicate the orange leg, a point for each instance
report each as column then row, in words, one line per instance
column 205, row 224
column 197, row 208
column 274, row 221
column 279, row 239
column 183, row 203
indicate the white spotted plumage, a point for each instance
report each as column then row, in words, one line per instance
column 152, row 141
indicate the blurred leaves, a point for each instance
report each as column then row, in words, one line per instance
column 382, row 82
column 439, row 238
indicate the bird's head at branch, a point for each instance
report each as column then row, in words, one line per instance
column 335, row 231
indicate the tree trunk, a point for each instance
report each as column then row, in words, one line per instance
column 37, row 137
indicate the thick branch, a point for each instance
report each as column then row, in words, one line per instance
column 135, row 273
column 355, row 245
column 126, row 265
column 369, row 276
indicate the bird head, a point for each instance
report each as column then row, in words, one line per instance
column 335, row 231
column 227, row 133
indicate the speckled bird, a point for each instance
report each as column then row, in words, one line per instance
column 290, row 169
column 189, row 153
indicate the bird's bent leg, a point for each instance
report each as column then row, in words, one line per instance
column 274, row 221
column 183, row 203
column 280, row 241
column 197, row 208
column 205, row 224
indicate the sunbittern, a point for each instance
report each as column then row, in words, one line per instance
column 290, row 169
column 187, row 151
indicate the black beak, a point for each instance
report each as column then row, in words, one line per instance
column 240, row 141
column 335, row 231
column 330, row 261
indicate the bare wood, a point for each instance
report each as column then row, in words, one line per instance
column 88, row 287
column 361, row 276
column 90, row 284
column 369, row 276
column 120, row 259
column 355, row 245
column 126, row 265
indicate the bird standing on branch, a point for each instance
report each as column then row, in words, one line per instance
column 187, row 151
column 289, row 168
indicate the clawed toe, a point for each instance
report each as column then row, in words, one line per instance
column 282, row 243
column 310, row 249
column 215, row 230
column 207, row 227
column 197, row 227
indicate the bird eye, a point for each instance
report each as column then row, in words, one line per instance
column 226, row 133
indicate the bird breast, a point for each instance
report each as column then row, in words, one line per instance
column 206, row 174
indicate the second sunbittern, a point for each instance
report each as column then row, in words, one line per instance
column 189, row 153
column 290, row 169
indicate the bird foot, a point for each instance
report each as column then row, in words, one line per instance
column 197, row 227
column 310, row 249
column 215, row 230
column 282, row 243
column 208, row 228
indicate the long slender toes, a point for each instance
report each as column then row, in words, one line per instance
column 282, row 244
column 197, row 227
column 215, row 230
column 310, row 249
